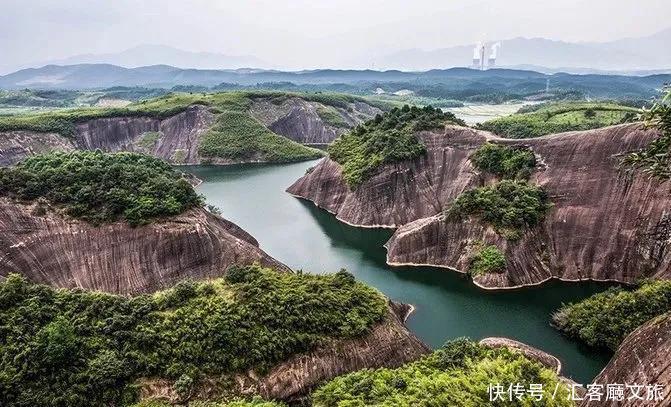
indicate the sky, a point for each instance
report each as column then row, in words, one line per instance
column 296, row 34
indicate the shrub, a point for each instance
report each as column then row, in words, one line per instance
column 558, row 117
column 509, row 206
column 457, row 375
column 385, row 139
column 77, row 348
column 238, row 136
column 504, row 161
column 331, row 116
column 655, row 159
column 100, row 187
column 605, row 319
column 488, row 259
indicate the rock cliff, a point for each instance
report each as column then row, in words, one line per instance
column 176, row 138
column 52, row 249
column 388, row 344
column 605, row 224
column 16, row 145
column 303, row 121
column 642, row 359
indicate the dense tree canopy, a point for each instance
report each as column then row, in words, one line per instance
column 100, row 187
column 509, row 206
column 504, row 161
column 459, row 374
column 61, row 347
column 605, row 319
column 387, row 138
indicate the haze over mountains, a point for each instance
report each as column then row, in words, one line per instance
column 642, row 55
column 145, row 55
column 629, row 54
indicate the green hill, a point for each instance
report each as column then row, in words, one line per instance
column 551, row 118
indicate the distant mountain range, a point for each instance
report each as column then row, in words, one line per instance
column 625, row 55
column 457, row 83
column 145, row 55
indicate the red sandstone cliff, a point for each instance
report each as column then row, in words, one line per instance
column 117, row 258
column 642, row 359
column 605, row 225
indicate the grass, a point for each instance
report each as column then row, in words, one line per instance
column 61, row 347
column 543, row 119
column 100, row 187
column 331, row 116
column 459, row 374
column 148, row 140
column 511, row 207
column 605, row 319
column 386, row 139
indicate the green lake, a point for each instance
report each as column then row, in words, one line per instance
column 447, row 304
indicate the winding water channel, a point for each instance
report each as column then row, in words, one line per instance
column 447, row 304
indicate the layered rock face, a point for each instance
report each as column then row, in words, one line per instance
column 642, row 359
column 300, row 120
column 176, row 138
column 117, row 258
column 388, row 344
column 605, row 224
column 16, row 145
column 402, row 192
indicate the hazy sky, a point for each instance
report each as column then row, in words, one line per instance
column 308, row 34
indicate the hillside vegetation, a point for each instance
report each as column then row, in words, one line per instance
column 100, row 187
column 236, row 134
column 605, row 319
column 387, row 138
column 655, row 159
column 509, row 206
column 503, row 161
column 551, row 118
column 62, row 347
column 458, row 374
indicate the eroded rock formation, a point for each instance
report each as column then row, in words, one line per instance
column 605, row 224
column 60, row 251
column 388, row 344
column 176, row 138
column 16, row 145
column 300, row 120
column 642, row 359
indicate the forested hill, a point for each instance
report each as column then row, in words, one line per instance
column 461, row 81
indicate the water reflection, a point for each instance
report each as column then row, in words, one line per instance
column 447, row 304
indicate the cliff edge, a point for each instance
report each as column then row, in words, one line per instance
column 117, row 258
column 604, row 225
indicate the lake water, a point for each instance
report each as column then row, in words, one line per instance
column 447, row 304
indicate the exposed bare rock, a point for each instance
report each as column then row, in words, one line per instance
column 389, row 344
column 401, row 192
column 530, row 352
column 642, row 359
column 64, row 252
column 16, row 145
column 176, row 137
column 605, row 224
column 299, row 119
